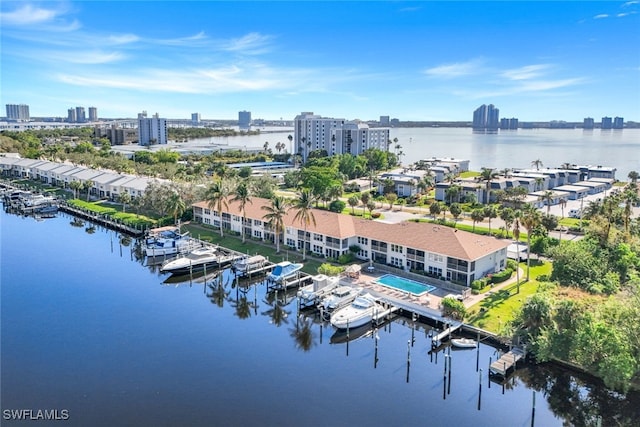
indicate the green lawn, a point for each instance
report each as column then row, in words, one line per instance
column 500, row 307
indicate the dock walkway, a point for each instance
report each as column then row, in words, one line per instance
column 507, row 362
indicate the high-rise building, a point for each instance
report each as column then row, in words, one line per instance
column 486, row 117
column 152, row 131
column 607, row 123
column 71, row 115
column 618, row 122
column 509, row 124
column 384, row 121
column 81, row 116
column 195, row 118
column 93, row 114
column 588, row 123
column 142, row 115
column 244, row 119
column 18, row 112
column 335, row 136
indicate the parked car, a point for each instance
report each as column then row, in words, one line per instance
column 575, row 213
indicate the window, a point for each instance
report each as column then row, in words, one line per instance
column 257, row 233
column 396, row 262
column 435, row 271
column 317, row 237
column 257, row 222
column 207, row 211
column 436, row 258
column 363, row 241
column 396, row 248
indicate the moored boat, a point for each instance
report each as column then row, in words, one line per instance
column 464, row 343
column 364, row 309
column 339, row 297
column 321, row 286
column 283, row 270
column 163, row 242
column 249, row 263
column 195, row 260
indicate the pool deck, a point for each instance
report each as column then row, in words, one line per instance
column 427, row 304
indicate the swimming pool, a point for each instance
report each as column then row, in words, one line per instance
column 407, row 285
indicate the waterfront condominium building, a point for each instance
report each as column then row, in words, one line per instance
column 509, row 124
column 618, row 122
column 486, row 117
column 93, row 114
column 18, row 112
column 71, row 115
column 152, row 130
column 81, row 116
column 336, row 136
column 606, row 123
column 588, row 123
column 244, row 119
column 195, row 118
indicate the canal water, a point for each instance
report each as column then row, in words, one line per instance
column 88, row 328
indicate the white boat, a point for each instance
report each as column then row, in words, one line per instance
column 249, row 263
column 283, row 270
column 464, row 343
column 165, row 242
column 339, row 297
column 198, row 259
column 321, row 286
column 363, row 310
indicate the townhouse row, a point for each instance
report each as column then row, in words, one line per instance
column 104, row 184
column 435, row 250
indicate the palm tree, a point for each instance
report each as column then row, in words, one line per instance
column 517, row 215
column 490, row 212
column 353, row 202
column 216, row 198
column 242, row 196
column 303, row 206
column 633, row 176
column 275, row 217
column 530, row 220
column 175, row 205
column 75, row 186
column 563, row 204
column 371, row 205
column 88, row 184
column 537, row 164
column 391, row 198
column 547, row 198
column 266, row 146
column 365, row 197
column 477, row 215
column 506, row 214
column 124, row 198
column 487, row 175
column 434, row 209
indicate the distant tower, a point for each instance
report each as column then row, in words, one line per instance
column 71, row 115
column 607, row 123
column 618, row 122
column 195, row 118
column 588, row 123
column 384, row 121
column 18, row 112
column 93, row 114
column 244, row 119
column 81, row 116
column 152, row 131
column 486, row 117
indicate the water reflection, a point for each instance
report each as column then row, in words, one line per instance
column 303, row 334
column 218, row 292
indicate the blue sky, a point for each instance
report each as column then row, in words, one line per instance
column 355, row 60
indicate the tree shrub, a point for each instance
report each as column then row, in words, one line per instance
column 501, row 276
column 337, row 206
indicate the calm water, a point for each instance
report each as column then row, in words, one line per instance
column 507, row 149
column 88, row 328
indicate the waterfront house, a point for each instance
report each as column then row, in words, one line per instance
column 101, row 184
column 594, row 187
column 555, row 197
column 575, row 192
column 440, row 251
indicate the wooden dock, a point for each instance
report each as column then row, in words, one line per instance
column 446, row 333
column 507, row 362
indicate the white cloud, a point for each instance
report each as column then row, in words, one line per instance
column 28, row 15
column 122, row 39
column 630, row 3
column 89, row 57
column 249, row 43
column 601, row 16
column 527, row 72
column 457, row 69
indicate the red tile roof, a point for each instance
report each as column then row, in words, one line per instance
column 422, row 236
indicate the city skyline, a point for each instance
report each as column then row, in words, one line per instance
column 420, row 61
